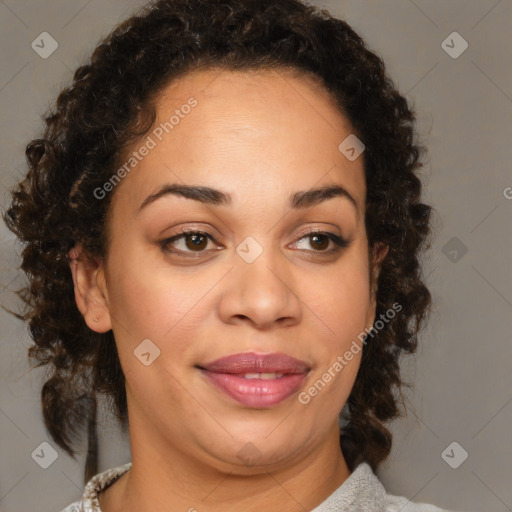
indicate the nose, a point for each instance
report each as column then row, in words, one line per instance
column 261, row 293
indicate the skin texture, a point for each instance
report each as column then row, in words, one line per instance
column 259, row 136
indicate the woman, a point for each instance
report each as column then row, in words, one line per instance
column 223, row 225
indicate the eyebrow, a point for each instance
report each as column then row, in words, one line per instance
column 207, row 195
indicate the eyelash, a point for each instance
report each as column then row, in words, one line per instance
column 339, row 242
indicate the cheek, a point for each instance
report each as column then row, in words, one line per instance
column 151, row 302
column 347, row 314
column 144, row 297
column 345, row 300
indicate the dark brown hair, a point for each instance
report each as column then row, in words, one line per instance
column 109, row 105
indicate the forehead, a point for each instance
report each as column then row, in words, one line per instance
column 249, row 133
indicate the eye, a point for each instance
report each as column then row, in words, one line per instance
column 320, row 240
column 191, row 242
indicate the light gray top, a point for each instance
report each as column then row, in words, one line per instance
column 360, row 492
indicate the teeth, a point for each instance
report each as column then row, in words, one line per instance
column 265, row 376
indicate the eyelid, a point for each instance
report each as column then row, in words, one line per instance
column 181, row 234
column 316, row 231
column 337, row 239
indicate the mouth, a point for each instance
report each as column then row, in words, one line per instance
column 257, row 380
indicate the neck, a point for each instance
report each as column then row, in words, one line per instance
column 169, row 476
column 174, row 481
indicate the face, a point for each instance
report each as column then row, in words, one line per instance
column 254, row 266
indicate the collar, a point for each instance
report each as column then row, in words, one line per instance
column 361, row 491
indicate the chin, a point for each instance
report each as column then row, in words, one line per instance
column 256, row 455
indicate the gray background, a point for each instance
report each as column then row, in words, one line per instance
column 462, row 372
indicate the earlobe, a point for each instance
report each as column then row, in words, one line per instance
column 90, row 291
column 379, row 253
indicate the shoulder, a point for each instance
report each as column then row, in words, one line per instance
column 401, row 504
column 389, row 502
column 89, row 501
column 74, row 507
column 363, row 491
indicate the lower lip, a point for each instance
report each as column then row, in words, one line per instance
column 257, row 393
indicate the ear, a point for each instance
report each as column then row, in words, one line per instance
column 379, row 252
column 91, row 294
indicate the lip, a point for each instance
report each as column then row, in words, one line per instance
column 251, row 362
column 227, row 375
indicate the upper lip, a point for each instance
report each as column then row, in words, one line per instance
column 251, row 362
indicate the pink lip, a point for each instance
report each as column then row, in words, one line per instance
column 250, row 362
column 227, row 373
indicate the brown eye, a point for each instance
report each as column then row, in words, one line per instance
column 197, row 241
column 319, row 241
column 188, row 242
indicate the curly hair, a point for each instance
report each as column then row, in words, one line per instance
column 111, row 103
